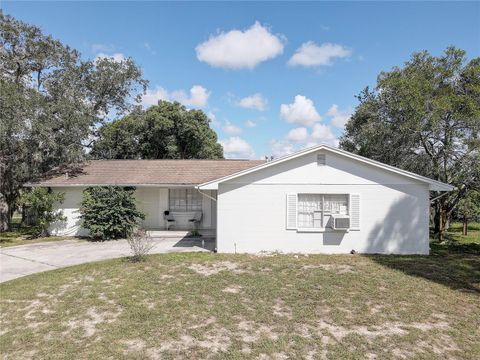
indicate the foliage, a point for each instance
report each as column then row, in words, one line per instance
column 140, row 243
column 164, row 131
column 50, row 103
column 424, row 117
column 469, row 206
column 42, row 201
column 468, row 209
column 109, row 212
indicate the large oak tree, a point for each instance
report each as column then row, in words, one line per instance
column 51, row 102
column 164, row 131
column 424, row 117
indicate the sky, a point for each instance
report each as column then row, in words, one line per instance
column 274, row 77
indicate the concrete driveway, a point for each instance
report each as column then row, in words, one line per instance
column 18, row 261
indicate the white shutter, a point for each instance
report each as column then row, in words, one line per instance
column 354, row 211
column 291, row 211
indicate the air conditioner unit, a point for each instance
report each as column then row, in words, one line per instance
column 341, row 222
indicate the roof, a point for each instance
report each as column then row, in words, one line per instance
column 145, row 172
column 433, row 184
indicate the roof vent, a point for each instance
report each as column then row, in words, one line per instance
column 321, row 159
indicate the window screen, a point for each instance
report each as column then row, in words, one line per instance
column 314, row 210
column 184, row 200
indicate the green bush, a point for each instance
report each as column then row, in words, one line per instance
column 110, row 212
column 41, row 201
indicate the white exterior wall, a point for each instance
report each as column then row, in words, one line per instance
column 393, row 209
column 152, row 201
column 72, row 226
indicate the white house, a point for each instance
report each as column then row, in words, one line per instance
column 319, row 200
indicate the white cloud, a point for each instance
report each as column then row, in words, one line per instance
column 250, row 123
column 323, row 133
column 197, row 97
column 256, row 101
column 117, row 57
column 237, row 148
column 339, row 117
column 237, row 49
column 299, row 138
column 231, row 129
column 151, row 97
column 302, row 111
column 297, row 134
column 310, row 54
column 281, row 148
column 213, row 119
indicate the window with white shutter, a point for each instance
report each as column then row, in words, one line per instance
column 292, row 211
column 354, row 212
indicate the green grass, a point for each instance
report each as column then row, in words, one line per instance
column 13, row 239
column 22, row 235
column 239, row 306
column 454, row 234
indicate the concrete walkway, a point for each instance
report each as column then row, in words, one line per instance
column 18, row 261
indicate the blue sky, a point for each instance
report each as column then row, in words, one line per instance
column 274, row 77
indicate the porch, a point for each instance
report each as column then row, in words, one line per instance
column 177, row 211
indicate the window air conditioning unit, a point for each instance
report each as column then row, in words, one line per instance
column 341, row 222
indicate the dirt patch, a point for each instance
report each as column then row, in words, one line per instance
column 34, row 307
column 235, row 289
column 207, row 322
column 338, row 268
column 167, row 276
column 215, row 340
column 133, row 345
column 250, row 332
column 209, row 269
column 282, row 310
column 339, row 332
column 93, row 318
column 105, row 298
column 274, row 356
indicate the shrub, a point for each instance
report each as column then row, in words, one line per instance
column 141, row 243
column 41, row 202
column 110, row 212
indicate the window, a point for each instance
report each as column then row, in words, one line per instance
column 315, row 210
column 184, row 200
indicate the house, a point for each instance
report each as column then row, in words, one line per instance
column 318, row 200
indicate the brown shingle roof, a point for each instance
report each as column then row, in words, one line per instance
column 147, row 172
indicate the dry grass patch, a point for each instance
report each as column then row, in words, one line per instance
column 238, row 306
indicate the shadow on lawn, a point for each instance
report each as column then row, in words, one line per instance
column 454, row 265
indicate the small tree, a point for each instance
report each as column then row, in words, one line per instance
column 42, row 202
column 110, row 212
column 469, row 208
column 140, row 243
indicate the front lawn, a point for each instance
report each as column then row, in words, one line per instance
column 239, row 306
column 22, row 235
column 14, row 239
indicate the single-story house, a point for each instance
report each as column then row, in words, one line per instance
column 318, row 200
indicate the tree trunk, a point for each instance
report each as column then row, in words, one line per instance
column 465, row 224
column 441, row 225
column 5, row 217
column 436, row 220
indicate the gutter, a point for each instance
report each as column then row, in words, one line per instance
column 204, row 194
column 439, row 196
